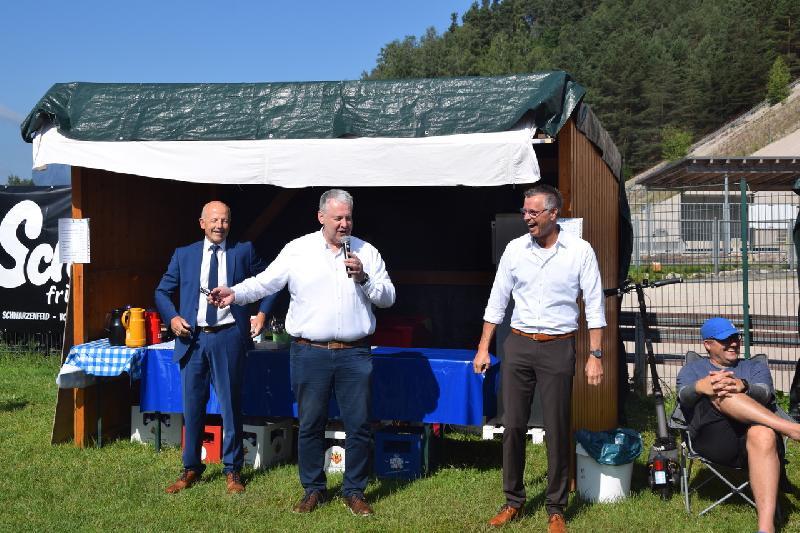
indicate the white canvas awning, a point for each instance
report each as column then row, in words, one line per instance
column 477, row 159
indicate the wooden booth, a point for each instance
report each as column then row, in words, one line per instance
column 430, row 212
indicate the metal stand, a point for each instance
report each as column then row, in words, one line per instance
column 663, row 461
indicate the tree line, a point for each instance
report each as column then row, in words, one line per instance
column 15, row 181
column 658, row 74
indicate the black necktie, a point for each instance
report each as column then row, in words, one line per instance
column 213, row 275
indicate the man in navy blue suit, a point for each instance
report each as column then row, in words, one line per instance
column 210, row 343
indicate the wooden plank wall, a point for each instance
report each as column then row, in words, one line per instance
column 591, row 192
column 135, row 224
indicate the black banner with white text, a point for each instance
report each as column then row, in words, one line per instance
column 33, row 281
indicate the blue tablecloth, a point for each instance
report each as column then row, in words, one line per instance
column 408, row 384
column 98, row 358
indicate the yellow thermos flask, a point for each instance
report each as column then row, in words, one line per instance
column 133, row 322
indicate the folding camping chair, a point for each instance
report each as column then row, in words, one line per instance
column 688, row 455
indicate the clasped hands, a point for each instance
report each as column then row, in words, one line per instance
column 723, row 383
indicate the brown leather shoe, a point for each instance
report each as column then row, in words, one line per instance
column 311, row 500
column 187, row 479
column 506, row 515
column 358, row 505
column 556, row 524
column 234, row 482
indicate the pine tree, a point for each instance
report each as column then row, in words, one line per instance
column 675, row 142
column 778, row 83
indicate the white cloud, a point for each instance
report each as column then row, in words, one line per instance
column 10, row 115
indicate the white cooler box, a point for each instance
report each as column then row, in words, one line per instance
column 268, row 444
column 143, row 427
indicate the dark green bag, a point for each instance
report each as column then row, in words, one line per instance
column 617, row 447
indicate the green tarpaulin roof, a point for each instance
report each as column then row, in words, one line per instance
column 310, row 110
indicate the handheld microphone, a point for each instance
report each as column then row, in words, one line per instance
column 345, row 240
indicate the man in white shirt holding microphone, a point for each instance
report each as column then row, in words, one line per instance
column 330, row 319
column 543, row 271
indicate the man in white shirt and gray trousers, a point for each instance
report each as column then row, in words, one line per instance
column 330, row 318
column 544, row 271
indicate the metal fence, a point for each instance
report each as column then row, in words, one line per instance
column 46, row 343
column 697, row 235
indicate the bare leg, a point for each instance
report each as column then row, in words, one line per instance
column 764, row 467
column 743, row 408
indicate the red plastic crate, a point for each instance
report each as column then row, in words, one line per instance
column 212, row 443
column 402, row 331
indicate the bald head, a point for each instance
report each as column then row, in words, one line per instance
column 216, row 205
column 215, row 221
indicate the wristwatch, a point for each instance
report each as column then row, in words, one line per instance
column 746, row 385
column 365, row 280
column 597, row 353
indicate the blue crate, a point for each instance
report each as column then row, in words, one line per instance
column 401, row 453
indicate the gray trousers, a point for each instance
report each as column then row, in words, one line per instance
column 528, row 364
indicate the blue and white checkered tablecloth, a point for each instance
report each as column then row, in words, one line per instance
column 98, row 358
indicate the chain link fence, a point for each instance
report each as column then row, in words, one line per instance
column 696, row 234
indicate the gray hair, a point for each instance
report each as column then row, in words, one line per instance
column 553, row 198
column 335, row 194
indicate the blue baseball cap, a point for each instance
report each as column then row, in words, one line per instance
column 718, row 328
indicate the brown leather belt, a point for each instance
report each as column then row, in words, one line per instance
column 542, row 337
column 214, row 329
column 334, row 345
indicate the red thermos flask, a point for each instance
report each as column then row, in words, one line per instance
column 152, row 323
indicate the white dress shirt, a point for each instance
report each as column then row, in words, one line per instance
column 545, row 283
column 224, row 316
column 325, row 304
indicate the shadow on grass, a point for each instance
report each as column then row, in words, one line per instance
column 382, row 488
column 13, row 403
column 576, row 507
column 639, row 479
column 377, row 489
column 454, row 451
column 786, row 506
column 460, row 452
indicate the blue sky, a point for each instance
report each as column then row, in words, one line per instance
column 47, row 42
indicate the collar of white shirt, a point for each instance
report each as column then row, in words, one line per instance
column 207, row 244
column 563, row 240
column 326, row 245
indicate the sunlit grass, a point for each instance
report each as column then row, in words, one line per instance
column 121, row 486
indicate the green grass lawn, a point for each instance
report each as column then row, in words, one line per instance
column 121, row 486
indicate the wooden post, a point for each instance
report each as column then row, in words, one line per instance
column 82, row 398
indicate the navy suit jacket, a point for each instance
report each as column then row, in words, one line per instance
column 183, row 274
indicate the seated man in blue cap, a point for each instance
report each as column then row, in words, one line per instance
column 729, row 406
